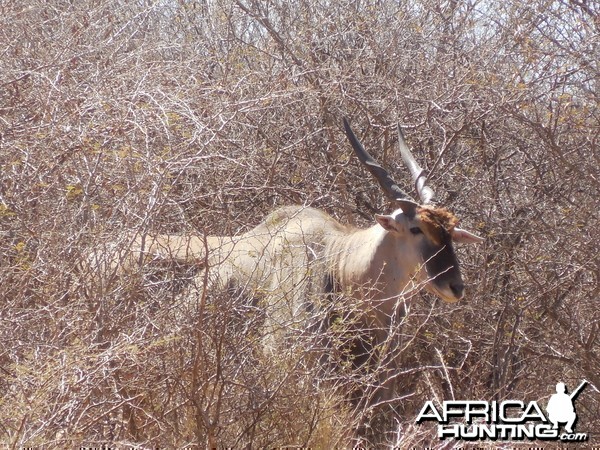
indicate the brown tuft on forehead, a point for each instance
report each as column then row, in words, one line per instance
column 436, row 222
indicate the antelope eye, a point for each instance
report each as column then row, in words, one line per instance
column 416, row 230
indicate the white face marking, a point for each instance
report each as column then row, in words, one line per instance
column 423, row 261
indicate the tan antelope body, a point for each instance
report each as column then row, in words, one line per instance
column 298, row 254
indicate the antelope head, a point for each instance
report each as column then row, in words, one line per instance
column 424, row 233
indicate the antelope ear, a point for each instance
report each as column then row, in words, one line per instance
column 465, row 237
column 387, row 222
column 408, row 207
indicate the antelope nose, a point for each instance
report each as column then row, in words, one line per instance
column 457, row 289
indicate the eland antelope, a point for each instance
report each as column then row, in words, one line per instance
column 299, row 254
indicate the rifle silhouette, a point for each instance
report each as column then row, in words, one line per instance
column 576, row 392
